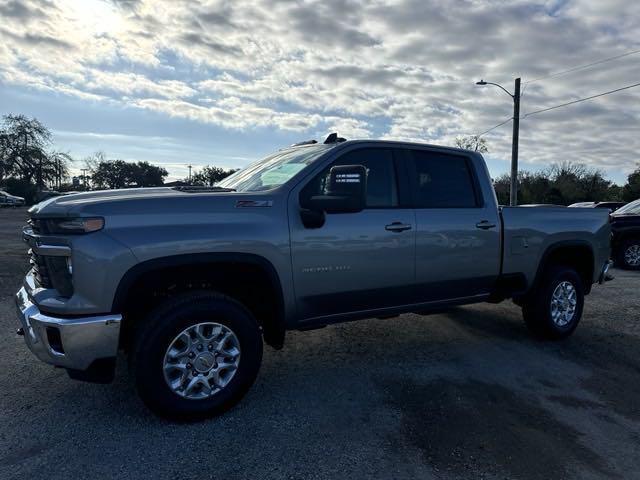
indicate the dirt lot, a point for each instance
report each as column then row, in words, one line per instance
column 467, row 394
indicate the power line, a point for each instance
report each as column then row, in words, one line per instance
column 528, row 114
column 580, row 67
column 496, row 126
column 535, row 112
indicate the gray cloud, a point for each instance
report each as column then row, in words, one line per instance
column 212, row 45
column 36, row 39
column 397, row 68
column 16, row 9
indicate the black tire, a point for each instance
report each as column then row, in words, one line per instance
column 624, row 246
column 162, row 326
column 537, row 310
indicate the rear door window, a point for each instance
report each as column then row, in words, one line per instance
column 441, row 180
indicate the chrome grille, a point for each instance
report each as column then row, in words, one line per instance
column 40, row 270
column 36, row 225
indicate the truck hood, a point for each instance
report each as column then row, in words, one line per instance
column 86, row 201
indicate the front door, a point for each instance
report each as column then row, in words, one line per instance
column 355, row 261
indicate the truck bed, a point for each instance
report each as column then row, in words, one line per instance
column 528, row 232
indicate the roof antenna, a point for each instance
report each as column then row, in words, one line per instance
column 334, row 138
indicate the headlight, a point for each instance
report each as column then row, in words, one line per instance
column 75, row 225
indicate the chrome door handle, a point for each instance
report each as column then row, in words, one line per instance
column 397, row 227
column 485, row 225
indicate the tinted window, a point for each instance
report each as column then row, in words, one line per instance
column 382, row 191
column 442, row 181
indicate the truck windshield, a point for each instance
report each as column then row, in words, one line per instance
column 273, row 171
column 632, row 208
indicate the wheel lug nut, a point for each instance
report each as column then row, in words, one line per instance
column 191, row 354
column 210, row 347
column 189, row 365
column 199, row 347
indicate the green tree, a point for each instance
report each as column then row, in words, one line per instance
column 631, row 191
column 502, row 186
column 114, row 174
column 472, row 142
column 111, row 174
column 560, row 184
column 209, row 176
column 143, row 174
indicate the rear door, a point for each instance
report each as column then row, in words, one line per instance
column 356, row 261
column 457, row 231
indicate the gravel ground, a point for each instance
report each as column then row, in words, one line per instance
column 466, row 394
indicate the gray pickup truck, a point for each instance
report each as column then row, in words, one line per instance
column 188, row 282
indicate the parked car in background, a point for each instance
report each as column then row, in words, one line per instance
column 625, row 227
column 8, row 200
column 612, row 206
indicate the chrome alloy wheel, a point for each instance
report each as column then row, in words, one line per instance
column 632, row 255
column 201, row 360
column 563, row 304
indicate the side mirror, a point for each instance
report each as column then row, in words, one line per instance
column 346, row 192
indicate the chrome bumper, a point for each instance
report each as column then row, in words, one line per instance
column 73, row 343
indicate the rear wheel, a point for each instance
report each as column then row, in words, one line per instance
column 628, row 254
column 196, row 356
column 555, row 309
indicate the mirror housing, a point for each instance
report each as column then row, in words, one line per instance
column 346, row 193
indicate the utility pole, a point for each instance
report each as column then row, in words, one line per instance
column 189, row 174
column 513, row 195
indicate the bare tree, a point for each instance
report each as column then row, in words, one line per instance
column 472, row 142
column 23, row 143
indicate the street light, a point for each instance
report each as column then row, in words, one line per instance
column 513, row 194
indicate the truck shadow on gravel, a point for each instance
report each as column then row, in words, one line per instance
column 612, row 359
column 472, row 429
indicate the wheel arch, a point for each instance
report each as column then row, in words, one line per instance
column 578, row 254
column 220, row 271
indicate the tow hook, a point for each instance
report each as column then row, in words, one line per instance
column 20, row 332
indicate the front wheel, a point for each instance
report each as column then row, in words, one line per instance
column 196, row 356
column 555, row 309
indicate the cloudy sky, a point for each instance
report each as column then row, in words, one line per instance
column 224, row 82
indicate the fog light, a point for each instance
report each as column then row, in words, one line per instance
column 55, row 341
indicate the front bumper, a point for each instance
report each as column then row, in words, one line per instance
column 73, row 343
